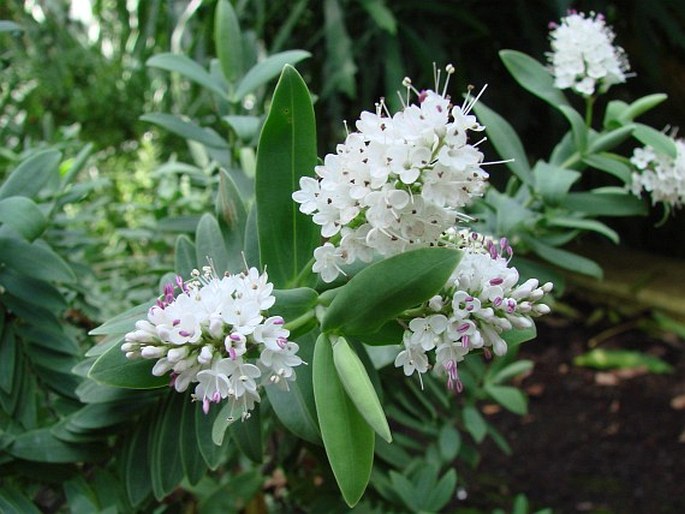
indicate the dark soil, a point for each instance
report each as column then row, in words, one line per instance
column 594, row 441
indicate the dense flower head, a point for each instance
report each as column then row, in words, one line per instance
column 660, row 175
column 481, row 300
column 584, row 56
column 398, row 182
column 216, row 333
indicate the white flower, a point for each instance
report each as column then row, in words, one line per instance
column 480, row 301
column 662, row 176
column 205, row 335
column 398, row 182
column 583, row 55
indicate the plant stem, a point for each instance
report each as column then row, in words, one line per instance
column 300, row 321
column 574, row 158
column 589, row 103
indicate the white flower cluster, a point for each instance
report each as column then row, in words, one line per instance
column 397, row 183
column 660, row 175
column 479, row 302
column 583, row 55
column 215, row 332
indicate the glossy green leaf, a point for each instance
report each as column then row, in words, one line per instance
column 166, row 469
column 8, row 360
column 228, row 40
column 287, row 151
column 565, row 259
column 389, row 334
column 136, row 463
column 295, row 407
column 232, row 217
column 359, row 388
column 264, row 71
column 508, row 397
column 189, row 69
column 32, row 174
column 386, row 288
column 100, row 415
column 505, row 140
column 553, row 182
column 601, row 358
column 533, row 77
column 23, row 215
column 35, row 260
column 584, row 224
column 475, row 423
column 124, row 322
column 114, row 369
column 42, row 446
column 212, row 454
column 596, row 203
column 658, row 140
column 186, row 129
column 194, row 466
column 247, row 436
column 33, row 291
column 185, row 256
column 348, row 439
column 512, row 370
column 12, row 500
column 642, row 105
column 210, row 247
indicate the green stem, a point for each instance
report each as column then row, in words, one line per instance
column 304, row 273
column 589, row 103
column 574, row 158
column 300, row 321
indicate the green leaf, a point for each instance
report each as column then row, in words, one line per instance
column 403, row 487
column 584, row 224
column 266, row 70
column 8, row 357
column 209, row 244
column 505, row 140
column 35, row 260
column 578, row 128
column 359, row 388
column 114, row 369
column 650, row 137
column 508, row 397
column 166, row 469
column 347, row 438
column 474, row 423
column 32, row 291
column 512, row 370
column 186, row 129
column 389, row 334
column 212, row 454
column 194, row 466
column 189, row 69
column 124, row 322
column 232, row 216
column 245, row 127
column 185, row 256
column 380, row 14
column 32, row 174
column 564, row 259
column 533, row 77
column 23, row 215
column 228, row 40
column 440, row 495
column 449, row 442
column 12, row 501
column 295, row 407
column 611, row 139
column 9, row 26
column 339, row 66
column 611, row 164
column 553, row 182
column 247, row 435
column 516, row 336
column 597, row 203
column 600, row 358
column 42, row 446
column 642, row 105
column 384, row 289
column 286, row 152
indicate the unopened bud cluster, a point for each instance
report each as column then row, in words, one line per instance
column 481, row 300
column 216, row 333
column 396, row 183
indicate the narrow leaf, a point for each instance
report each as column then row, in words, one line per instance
column 604, row 204
column 565, row 259
column 584, row 224
column 286, row 152
column 35, row 260
column 114, row 369
column 533, row 77
column 32, row 174
column 232, row 217
column 347, row 438
column 553, row 182
column 508, row 397
column 247, row 435
column 186, row 129
column 658, row 140
column 210, row 247
column 475, row 424
column 611, row 139
column 166, row 468
column 228, row 40
column 266, row 70
column 189, row 69
column 185, row 256
column 23, row 215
